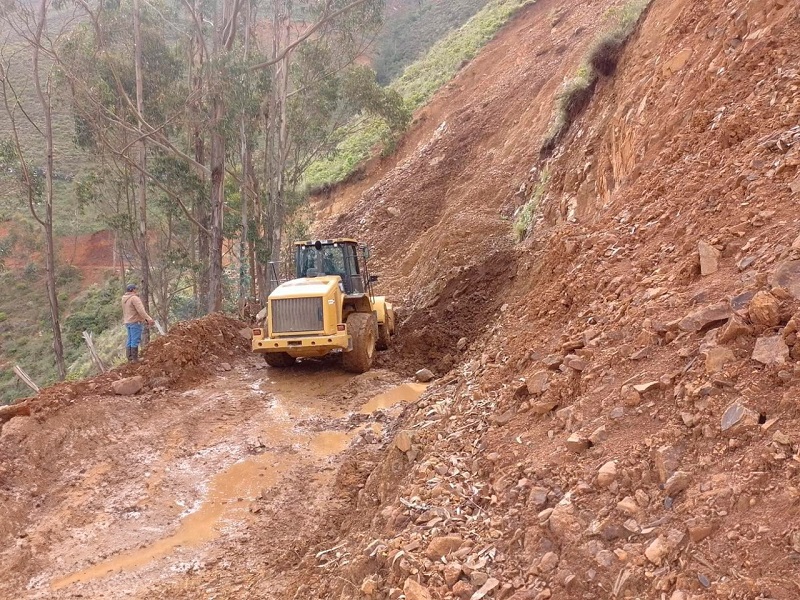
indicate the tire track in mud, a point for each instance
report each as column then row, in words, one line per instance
column 192, row 474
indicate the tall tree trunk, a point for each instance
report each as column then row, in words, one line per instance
column 50, row 253
column 245, row 186
column 217, row 160
column 201, row 249
column 217, row 205
column 277, row 131
column 142, row 161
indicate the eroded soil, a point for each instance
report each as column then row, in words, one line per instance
column 161, row 482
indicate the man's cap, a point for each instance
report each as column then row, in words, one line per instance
column 131, row 287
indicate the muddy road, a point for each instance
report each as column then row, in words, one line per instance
column 167, row 485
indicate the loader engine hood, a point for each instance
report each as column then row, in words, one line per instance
column 306, row 287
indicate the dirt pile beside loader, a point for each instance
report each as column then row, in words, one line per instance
column 188, row 354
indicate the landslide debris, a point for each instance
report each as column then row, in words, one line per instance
column 188, row 354
column 627, row 426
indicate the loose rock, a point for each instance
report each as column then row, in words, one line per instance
column 128, row 386
column 415, row 591
column 765, row 310
column 709, row 258
column 607, row 474
column 737, row 418
column 771, row 350
column 442, row 546
column 424, row 375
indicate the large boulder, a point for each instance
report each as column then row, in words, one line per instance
column 128, row 386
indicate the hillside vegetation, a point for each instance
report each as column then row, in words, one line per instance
column 412, row 29
column 417, row 85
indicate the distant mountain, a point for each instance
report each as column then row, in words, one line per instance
column 412, row 27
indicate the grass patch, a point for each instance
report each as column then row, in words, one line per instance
column 601, row 61
column 417, row 85
column 26, row 333
column 524, row 220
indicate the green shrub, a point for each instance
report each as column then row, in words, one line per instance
column 417, row 85
column 524, row 220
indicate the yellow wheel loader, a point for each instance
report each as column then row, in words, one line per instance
column 328, row 307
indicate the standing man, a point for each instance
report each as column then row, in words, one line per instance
column 135, row 316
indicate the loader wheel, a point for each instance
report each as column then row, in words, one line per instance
column 279, row 360
column 363, row 328
column 383, row 337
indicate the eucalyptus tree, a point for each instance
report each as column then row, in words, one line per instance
column 29, row 44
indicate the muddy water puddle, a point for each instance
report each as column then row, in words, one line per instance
column 229, row 494
column 405, row 393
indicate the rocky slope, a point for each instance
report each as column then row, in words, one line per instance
column 628, row 426
column 616, row 410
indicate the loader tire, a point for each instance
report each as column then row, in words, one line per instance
column 363, row 328
column 279, row 360
column 383, row 337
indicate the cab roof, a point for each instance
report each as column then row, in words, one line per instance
column 326, row 242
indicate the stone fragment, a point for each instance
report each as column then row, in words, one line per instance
column 538, row 497
column 787, row 276
column 781, row 438
column 607, row 474
column 667, row 461
column 605, row 558
column 543, row 407
column 462, row 590
column 765, row 310
column 657, row 551
column 403, row 441
column 452, row 573
column 548, row 562
column 737, row 418
column 128, row 386
column 461, row 345
column 702, row 318
column 643, row 388
column 577, row 443
column 679, row 481
column 628, row 506
column 630, row 397
column 717, row 357
column 394, row 211
column 771, row 350
column 598, row 435
column 442, row 546
column 369, row 586
column 537, row 384
column 416, row 591
column 575, row 363
column 424, row 375
column 553, row 361
column 698, row 533
column 616, row 413
column 740, row 302
column 562, row 521
column 487, row 588
column 709, row 258
column 734, row 328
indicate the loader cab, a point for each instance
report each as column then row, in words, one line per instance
column 344, row 258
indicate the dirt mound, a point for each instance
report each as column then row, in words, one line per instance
column 194, row 347
column 437, row 335
column 187, row 355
